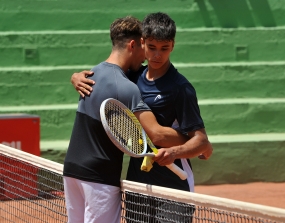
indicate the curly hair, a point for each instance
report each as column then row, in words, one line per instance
column 124, row 29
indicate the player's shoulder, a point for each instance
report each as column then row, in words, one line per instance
column 179, row 79
column 100, row 66
column 126, row 88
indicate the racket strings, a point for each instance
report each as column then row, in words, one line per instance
column 124, row 128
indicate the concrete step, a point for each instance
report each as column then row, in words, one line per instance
column 38, row 85
column 224, row 116
column 54, row 48
column 51, row 84
column 201, row 45
column 57, row 15
column 243, row 162
column 236, row 80
column 237, row 116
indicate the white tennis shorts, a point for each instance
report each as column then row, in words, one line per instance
column 88, row 202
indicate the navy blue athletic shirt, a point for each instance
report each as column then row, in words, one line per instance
column 170, row 97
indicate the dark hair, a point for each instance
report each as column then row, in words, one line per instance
column 123, row 29
column 158, row 26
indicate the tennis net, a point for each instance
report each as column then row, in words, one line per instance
column 31, row 190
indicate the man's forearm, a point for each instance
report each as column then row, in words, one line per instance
column 167, row 137
column 196, row 146
column 193, row 148
column 160, row 135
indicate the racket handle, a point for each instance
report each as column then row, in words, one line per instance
column 178, row 171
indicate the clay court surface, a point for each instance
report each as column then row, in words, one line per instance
column 270, row 194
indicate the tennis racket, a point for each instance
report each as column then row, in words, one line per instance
column 126, row 132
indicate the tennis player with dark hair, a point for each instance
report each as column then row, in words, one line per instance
column 93, row 164
column 172, row 99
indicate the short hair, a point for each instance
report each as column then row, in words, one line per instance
column 158, row 26
column 124, row 29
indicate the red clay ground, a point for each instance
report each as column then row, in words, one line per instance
column 270, row 194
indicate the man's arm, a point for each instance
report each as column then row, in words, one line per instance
column 197, row 146
column 81, row 83
column 160, row 135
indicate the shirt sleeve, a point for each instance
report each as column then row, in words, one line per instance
column 187, row 109
column 141, row 106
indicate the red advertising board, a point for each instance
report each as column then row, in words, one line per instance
column 18, row 179
column 21, row 131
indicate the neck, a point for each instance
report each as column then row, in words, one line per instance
column 119, row 58
column 154, row 74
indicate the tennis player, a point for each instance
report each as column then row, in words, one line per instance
column 172, row 99
column 93, row 164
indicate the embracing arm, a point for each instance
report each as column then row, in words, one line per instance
column 197, row 146
column 81, row 83
column 160, row 135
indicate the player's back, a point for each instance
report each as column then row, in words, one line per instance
column 91, row 156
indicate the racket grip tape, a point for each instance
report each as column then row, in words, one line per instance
column 178, row 171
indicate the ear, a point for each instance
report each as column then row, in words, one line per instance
column 132, row 44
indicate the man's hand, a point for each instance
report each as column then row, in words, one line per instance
column 164, row 156
column 206, row 155
column 81, row 83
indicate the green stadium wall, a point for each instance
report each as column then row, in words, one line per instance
column 232, row 51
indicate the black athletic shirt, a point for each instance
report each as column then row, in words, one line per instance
column 91, row 156
column 171, row 97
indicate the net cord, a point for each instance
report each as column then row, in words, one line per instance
column 35, row 160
